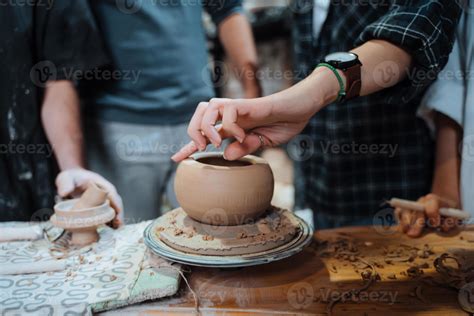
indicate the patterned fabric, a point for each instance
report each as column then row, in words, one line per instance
column 116, row 271
column 368, row 149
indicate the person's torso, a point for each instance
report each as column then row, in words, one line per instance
column 364, row 150
column 159, row 56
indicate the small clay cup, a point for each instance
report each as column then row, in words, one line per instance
column 82, row 223
column 215, row 191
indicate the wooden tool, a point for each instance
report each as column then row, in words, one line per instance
column 415, row 206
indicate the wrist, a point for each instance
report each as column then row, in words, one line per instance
column 70, row 164
column 250, row 82
column 327, row 85
column 252, row 88
column 449, row 198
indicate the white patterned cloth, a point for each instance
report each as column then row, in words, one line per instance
column 114, row 272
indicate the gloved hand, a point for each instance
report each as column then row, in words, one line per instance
column 74, row 182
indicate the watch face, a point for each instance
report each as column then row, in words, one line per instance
column 341, row 57
column 342, row 60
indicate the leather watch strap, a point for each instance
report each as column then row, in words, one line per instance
column 353, row 81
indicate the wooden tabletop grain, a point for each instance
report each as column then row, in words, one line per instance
column 307, row 283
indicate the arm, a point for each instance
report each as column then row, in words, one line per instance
column 60, row 115
column 277, row 118
column 446, row 182
column 417, row 37
column 236, row 36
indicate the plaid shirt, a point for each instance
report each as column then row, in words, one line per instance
column 371, row 148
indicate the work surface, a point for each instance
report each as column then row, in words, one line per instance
column 320, row 279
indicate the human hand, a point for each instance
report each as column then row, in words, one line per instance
column 413, row 222
column 255, row 123
column 73, row 182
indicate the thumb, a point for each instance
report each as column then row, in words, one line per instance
column 65, row 183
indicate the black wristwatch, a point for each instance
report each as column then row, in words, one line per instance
column 350, row 65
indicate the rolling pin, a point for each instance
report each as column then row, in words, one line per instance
column 36, row 267
column 419, row 207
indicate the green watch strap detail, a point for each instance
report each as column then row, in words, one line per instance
column 342, row 91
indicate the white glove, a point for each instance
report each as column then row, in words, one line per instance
column 75, row 181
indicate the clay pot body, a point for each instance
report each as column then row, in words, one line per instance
column 215, row 191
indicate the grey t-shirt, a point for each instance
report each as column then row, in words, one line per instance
column 453, row 95
column 159, row 55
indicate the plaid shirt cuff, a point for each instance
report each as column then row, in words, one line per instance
column 425, row 29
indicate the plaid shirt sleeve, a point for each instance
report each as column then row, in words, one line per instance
column 221, row 9
column 423, row 28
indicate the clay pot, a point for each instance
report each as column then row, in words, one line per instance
column 215, row 191
column 82, row 223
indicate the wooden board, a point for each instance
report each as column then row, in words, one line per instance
column 303, row 284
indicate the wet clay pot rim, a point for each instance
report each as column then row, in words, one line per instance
column 249, row 160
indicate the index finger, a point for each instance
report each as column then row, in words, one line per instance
column 194, row 127
column 185, row 152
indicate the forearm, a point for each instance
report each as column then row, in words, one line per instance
column 384, row 65
column 446, row 179
column 60, row 116
column 235, row 34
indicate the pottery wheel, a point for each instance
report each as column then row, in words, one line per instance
column 153, row 240
column 274, row 228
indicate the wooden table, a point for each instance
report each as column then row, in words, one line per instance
column 305, row 283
